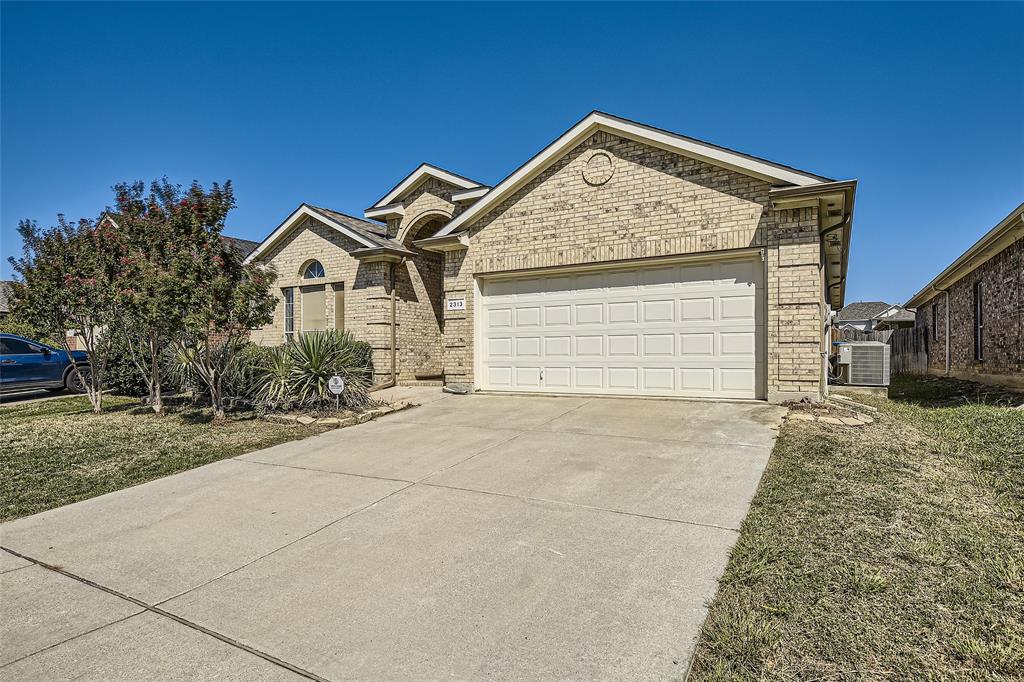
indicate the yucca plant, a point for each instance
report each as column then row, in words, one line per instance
column 297, row 373
column 274, row 392
column 316, row 357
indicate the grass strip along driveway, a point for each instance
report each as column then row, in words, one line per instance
column 893, row 551
column 56, row 452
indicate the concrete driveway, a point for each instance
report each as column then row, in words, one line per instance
column 471, row 537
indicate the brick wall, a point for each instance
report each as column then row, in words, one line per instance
column 656, row 203
column 1002, row 279
column 367, row 289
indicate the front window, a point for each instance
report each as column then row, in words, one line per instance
column 979, row 322
column 314, row 309
column 315, row 270
column 289, row 313
column 935, row 321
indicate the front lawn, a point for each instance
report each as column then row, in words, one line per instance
column 55, row 452
column 893, row 551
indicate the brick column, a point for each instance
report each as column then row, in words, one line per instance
column 795, row 301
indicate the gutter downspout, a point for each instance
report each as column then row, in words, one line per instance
column 826, row 327
column 390, row 383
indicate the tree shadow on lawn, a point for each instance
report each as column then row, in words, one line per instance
column 932, row 391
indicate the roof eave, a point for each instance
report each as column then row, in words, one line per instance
column 1009, row 229
column 598, row 121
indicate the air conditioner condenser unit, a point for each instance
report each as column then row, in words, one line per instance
column 864, row 363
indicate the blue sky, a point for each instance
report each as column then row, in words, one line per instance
column 332, row 104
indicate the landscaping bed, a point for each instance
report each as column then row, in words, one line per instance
column 55, row 452
column 892, row 550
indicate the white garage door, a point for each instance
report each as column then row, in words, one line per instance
column 681, row 330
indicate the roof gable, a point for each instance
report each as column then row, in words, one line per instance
column 422, row 173
column 598, row 121
column 366, row 233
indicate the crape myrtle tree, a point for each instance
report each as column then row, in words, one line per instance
column 219, row 298
column 67, row 275
column 159, row 233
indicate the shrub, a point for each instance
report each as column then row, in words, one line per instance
column 297, row 374
column 123, row 376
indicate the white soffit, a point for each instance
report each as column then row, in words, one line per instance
column 597, row 121
column 291, row 221
column 424, row 171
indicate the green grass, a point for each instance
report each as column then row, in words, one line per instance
column 55, row 452
column 893, row 551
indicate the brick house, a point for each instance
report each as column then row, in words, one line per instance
column 974, row 309
column 619, row 260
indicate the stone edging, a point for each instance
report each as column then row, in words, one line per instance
column 340, row 422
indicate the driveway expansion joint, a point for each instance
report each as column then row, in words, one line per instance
column 588, row 507
column 153, row 608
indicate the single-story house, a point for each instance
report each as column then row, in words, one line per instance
column 869, row 316
column 621, row 259
column 973, row 310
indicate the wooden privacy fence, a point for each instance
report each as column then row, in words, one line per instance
column 908, row 346
column 908, row 351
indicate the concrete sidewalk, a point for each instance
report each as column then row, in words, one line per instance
column 474, row 536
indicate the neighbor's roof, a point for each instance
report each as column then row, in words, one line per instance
column 5, row 295
column 369, row 235
column 242, row 247
column 599, row 121
column 862, row 310
column 901, row 315
column 1009, row 230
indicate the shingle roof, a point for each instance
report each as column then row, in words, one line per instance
column 242, row 247
column 862, row 310
column 5, row 296
column 901, row 315
column 375, row 232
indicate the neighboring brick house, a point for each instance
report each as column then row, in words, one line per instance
column 974, row 309
column 620, row 260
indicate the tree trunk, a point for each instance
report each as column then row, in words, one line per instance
column 155, row 397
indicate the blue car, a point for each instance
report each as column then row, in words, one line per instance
column 26, row 365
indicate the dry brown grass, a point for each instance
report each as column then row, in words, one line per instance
column 893, row 551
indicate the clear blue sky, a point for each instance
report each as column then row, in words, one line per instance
column 332, row 104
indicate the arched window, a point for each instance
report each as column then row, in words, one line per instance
column 314, row 270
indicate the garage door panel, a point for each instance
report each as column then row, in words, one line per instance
column 557, row 315
column 557, row 346
column 623, row 345
column 660, row 379
column 589, row 378
column 737, row 307
column 589, row 346
column 500, row 347
column 686, row 330
column 499, row 375
column 590, row 313
column 659, row 311
column 696, row 309
column 620, row 312
column 659, row 345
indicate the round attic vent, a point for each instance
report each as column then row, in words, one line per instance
column 599, row 169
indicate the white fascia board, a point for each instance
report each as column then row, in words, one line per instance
column 640, row 133
column 395, row 210
column 291, row 221
column 422, row 172
column 470, row 194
